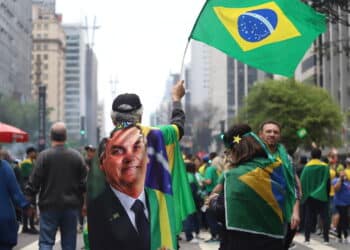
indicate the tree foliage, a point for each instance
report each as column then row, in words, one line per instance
column 330, row 9
column 295, row 106
column 23, row 116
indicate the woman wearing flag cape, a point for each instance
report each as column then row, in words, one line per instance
column 254, row 202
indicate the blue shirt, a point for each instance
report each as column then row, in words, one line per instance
column 342, row 197
column 10, row 196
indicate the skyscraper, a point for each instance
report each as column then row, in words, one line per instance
column 15, row 48
column 75, row 98
column 48, row 47
column 47, row 5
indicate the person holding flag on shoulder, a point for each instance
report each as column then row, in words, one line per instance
column 143, row 189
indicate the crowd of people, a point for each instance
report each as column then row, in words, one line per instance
column 139, row 192
column 51, row 181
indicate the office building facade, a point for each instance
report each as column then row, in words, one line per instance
column 75, row 100
column 15, row 48
column 48, row 57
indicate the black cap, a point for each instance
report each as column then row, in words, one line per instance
column 30, row 149
column 126, row 103
column 87, row 147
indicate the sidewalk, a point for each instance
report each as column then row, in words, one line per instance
column 202, row 245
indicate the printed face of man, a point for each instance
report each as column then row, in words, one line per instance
column 125, row 159
column 271, row 134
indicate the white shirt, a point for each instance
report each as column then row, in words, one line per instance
column 127, row 202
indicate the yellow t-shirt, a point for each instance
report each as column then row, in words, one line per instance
column 332, row 174
column 347, row 173
column 201, row 169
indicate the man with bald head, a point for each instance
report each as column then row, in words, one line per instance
column 60, row 179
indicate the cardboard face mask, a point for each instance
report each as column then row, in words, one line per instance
column 125, row 158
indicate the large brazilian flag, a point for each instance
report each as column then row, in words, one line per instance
column 271, row 35
column 314, row 180
column 256, row 196
column 168, row 191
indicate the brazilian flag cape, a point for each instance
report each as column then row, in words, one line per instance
column 314, row 180
column 259, row 196
column 168, row 191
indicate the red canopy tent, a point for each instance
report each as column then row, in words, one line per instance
column 9, row 134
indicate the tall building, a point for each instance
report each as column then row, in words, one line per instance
column 221, row 81
column 101, row 121
column 91, row 96
column 48, row 52
column 48, row 5
column 75, row 101
column 327, row 65
column 15, row 48
column 240, row 78
column 163, row 113
column 208, row 80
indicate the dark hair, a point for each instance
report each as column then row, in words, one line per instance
column 58, row 135
column 316, row 153
column 190, row 167
column 303, row 159
column 30, row 150
column 248, row 147
column 261, row 127
column 212, row 155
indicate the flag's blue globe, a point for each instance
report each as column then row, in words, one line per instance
column 256, row 25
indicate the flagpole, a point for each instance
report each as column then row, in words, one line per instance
column 182, row 72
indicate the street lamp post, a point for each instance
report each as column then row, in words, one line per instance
column 41, row 106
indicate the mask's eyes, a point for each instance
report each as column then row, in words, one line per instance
column 117, row 150
column 138, row 145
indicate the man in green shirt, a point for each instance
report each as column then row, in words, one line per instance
column 26, row 168
column 270, row 132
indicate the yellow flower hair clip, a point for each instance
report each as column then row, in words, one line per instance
column 236, row 139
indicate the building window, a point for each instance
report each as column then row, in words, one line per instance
column 46, row 66
column 38, row 47
column 46, row 56
column 308, row 63
column 45, row 47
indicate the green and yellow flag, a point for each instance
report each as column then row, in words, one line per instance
column 271, row 35
column 314, row 180
column 255, row 197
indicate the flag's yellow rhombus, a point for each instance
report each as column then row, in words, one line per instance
column 260, row 181
column 257, row 26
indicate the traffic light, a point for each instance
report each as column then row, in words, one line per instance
column 82, row 132
column 222, row 129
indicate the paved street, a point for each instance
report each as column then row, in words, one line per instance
column 30, row 242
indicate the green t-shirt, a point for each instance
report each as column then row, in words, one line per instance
column 211, row 174
column 192, row 179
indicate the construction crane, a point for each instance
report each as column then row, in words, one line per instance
column 94, row 27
